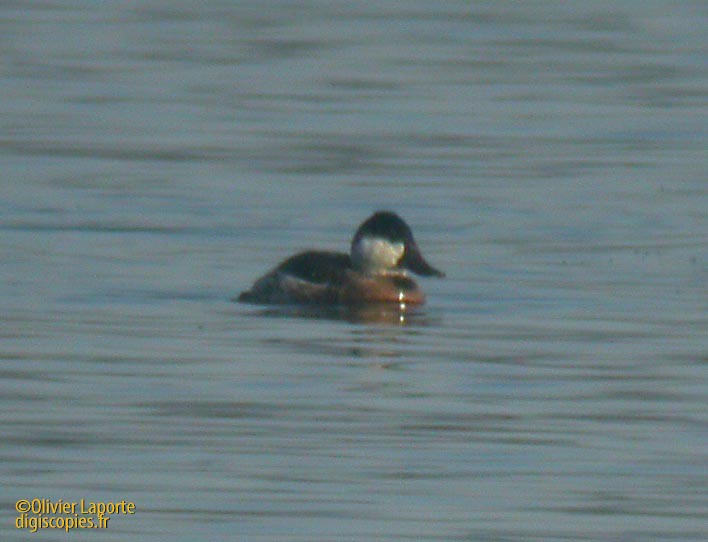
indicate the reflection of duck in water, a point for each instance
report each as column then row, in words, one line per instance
column 382, row 250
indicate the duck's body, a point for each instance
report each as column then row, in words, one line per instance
column 375, row 272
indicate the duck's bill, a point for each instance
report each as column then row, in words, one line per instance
column 415, row 262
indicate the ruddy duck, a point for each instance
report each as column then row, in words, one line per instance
column 382, row 250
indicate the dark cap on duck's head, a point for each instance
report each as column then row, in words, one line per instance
column 392, row 230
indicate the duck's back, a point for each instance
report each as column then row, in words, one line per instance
column 317, row 266
column 307, row 277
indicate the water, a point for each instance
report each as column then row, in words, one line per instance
column 551, row 158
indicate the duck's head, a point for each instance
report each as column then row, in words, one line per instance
column 384, row 243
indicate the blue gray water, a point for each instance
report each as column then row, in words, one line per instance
column 551, row 157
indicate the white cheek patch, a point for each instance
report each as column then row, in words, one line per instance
column 377, row 254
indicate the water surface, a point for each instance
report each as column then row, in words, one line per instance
column 550, row 158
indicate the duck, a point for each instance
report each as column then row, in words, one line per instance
column 376, row 270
